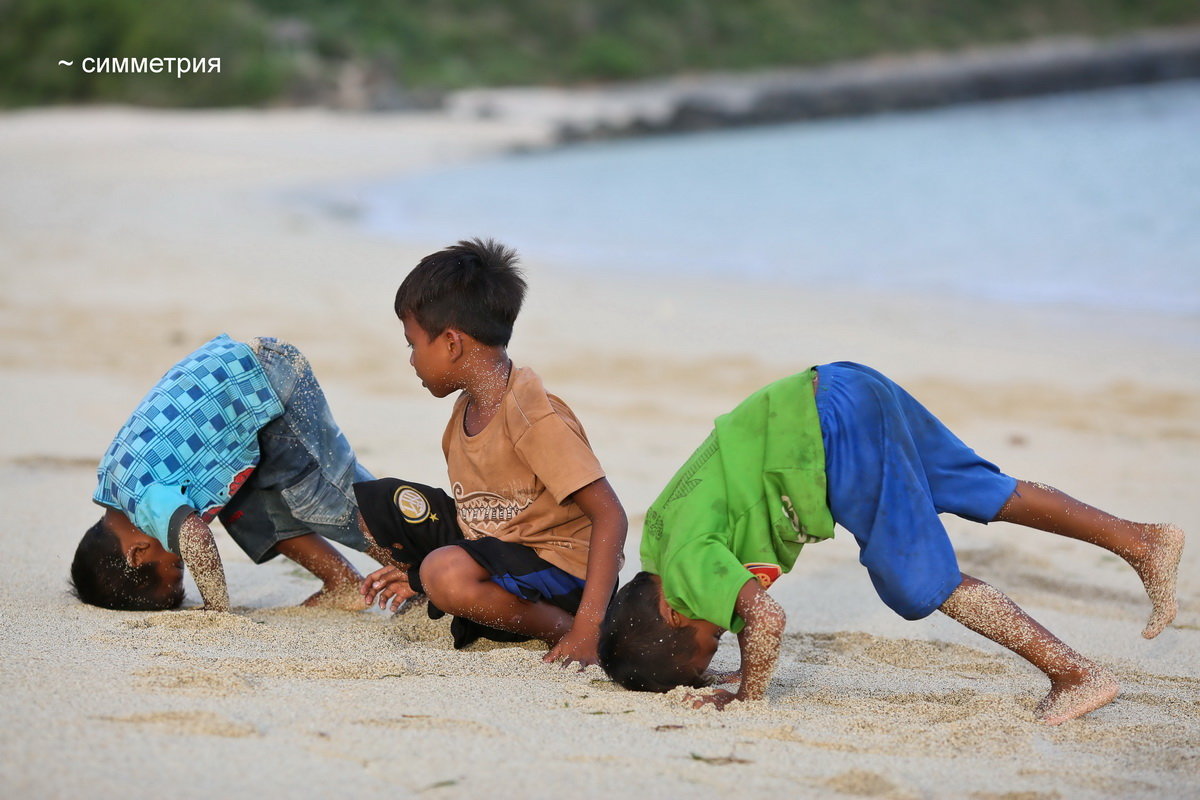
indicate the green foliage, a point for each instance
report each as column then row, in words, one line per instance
column 276, row 50
column 35, row 34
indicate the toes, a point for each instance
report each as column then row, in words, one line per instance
column 1159, row 620
column 1159, row 574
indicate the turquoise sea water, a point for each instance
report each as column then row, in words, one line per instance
column 1090, row 199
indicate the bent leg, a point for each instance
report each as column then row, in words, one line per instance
column 320, row 558
column 1077, row 685
column 1152, row 550
column 459, row 585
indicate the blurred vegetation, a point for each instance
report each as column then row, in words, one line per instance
column 306, row 51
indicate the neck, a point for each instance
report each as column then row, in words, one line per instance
column 122, row 528
column 486, row 387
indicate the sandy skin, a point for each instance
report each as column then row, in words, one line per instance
column 1091, row 686
column 1159, row 571
column 1071, row 696
column 1078, row 686
column 341, row 598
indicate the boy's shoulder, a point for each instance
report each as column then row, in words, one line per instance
column 528, row 402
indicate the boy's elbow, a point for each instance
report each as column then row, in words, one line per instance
column 778, row 623
column 767, row 615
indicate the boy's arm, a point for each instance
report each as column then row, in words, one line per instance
column 389, row 583
column 609, row 525
column 199, row 553
column 758, row 642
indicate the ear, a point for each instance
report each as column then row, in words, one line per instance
column 672, row 617
column 455, row 342
column 137, row 554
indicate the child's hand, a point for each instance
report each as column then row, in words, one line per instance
column 718, row 698
column 390, row 585
column 579, row 645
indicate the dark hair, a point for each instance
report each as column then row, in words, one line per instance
column 473, row 286
column 100, row 576
column 639, row 649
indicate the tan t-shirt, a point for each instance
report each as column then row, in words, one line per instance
column 511, row 479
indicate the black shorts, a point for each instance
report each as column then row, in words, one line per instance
column 412, row 520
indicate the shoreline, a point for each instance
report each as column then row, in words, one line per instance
column 705, row 102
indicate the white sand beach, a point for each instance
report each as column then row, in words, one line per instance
column 127, row 237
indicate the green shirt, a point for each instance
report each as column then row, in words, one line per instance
column 743, row 505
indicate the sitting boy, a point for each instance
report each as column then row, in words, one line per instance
column 778, row 472
column 239, row 432
column 537, row 545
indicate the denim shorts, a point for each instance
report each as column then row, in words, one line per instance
column 307, row 470
column 891, row 468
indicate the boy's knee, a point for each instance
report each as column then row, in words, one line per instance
column 446, row 574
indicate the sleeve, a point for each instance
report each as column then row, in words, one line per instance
column 160, row 511
column 702, row 578
column 559, row 455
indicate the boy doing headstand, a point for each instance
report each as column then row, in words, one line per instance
column 235, row 431
column 843, row 443
column 537, row 544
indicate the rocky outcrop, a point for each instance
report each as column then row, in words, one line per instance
column 719, row 101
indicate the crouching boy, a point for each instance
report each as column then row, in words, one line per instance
column 530, row 544
column 843, row 443
column 235, row 431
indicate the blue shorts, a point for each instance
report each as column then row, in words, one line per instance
column 304, row 482
column 891, row 468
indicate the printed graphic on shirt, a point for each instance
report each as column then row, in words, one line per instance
column 790, row 511
column 239, row 480
column 685, row 480
column 765, row 573
column 485, row 513
column 412, row 504
column 652, row 528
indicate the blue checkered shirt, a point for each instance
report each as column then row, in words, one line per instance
column 192, row 440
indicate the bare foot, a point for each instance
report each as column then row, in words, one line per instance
column 342, row 599
column 1078, row 695
column 1158, row 571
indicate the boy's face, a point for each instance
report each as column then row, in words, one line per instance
column 430, row 358
column 168, row 568
column 705, row 634
column 141, row 549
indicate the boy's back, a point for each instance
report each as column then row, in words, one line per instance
column 514, row 479
column 743, row 504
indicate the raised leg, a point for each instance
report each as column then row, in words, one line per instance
column 1153, row 550
column 1077, row 685
column 458, row 585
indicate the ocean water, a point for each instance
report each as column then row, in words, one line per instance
column 1087, row 199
